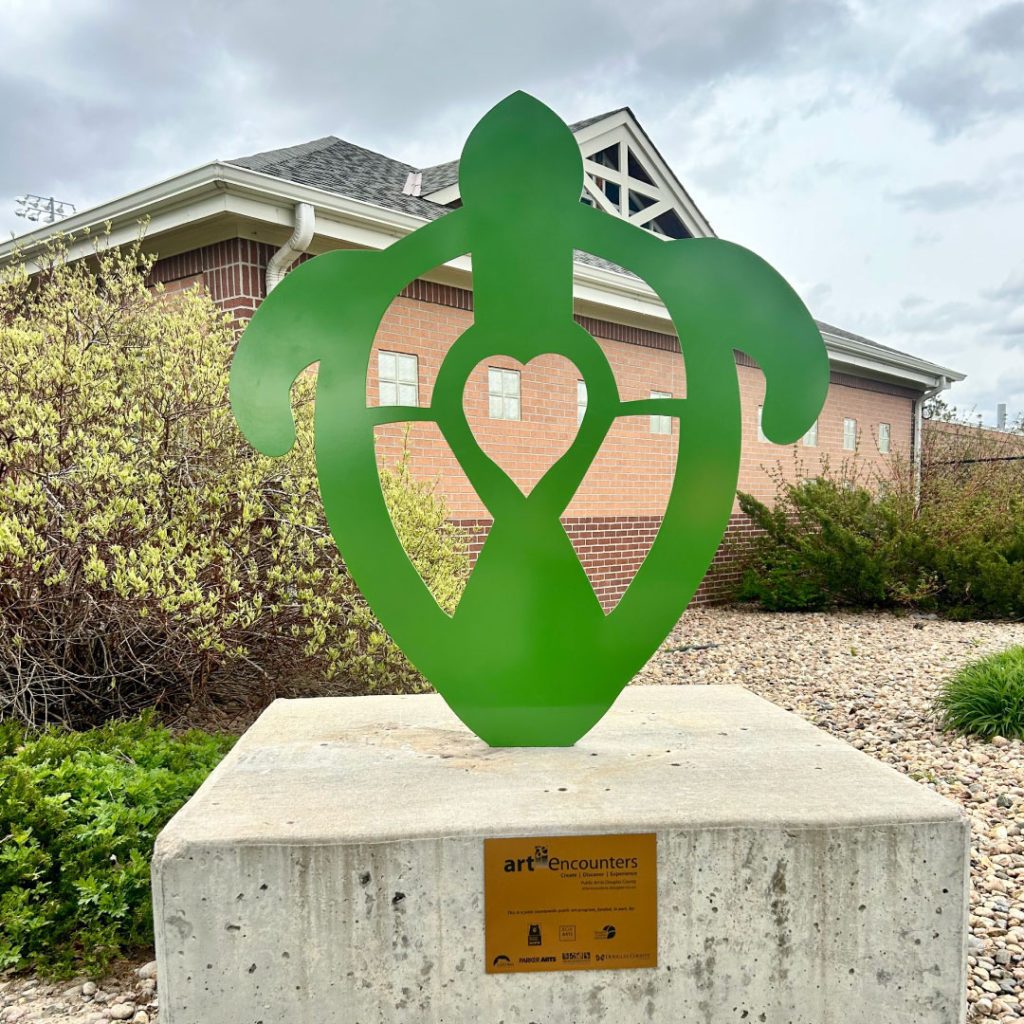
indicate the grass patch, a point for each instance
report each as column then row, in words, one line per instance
column 79, row 812
column 986, row 698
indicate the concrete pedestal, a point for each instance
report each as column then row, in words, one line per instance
column 330, row 871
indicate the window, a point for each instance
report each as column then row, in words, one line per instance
column 581, row 400
column 625, row 181
column 637, row 169
column 502, row 394
column 760, row 429
column 811, row 437
column 661, row 424
column 398, row 377
column 668, row 224
column 849, row 435
column 883, row 438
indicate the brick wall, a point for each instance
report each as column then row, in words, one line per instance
column 615, row 514
column 632, row 472
column 611, row 549
column 233, row 271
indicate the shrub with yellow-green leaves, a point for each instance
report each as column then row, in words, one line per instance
column 145, row 548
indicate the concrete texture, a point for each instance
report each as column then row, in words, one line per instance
column 330, row 870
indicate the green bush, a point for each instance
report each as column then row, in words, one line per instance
column 78, row 816
column 987, row 697
column 843, row 540
column 831, row 541
column 146, row 550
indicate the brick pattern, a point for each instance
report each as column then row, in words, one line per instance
column 616, row 512
column 234, row 272
column 632, row 472
column 612, row 548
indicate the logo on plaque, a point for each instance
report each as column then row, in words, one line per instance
column 561, row 660
column 597, row 894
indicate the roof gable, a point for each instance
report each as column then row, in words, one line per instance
column 624, row 175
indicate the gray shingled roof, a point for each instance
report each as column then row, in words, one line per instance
column 442, row 175
column 338, row 166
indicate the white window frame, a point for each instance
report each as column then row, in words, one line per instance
column 581, row 401
column 849, row 434
column 661, row 424
column 884, row 438
column 504, row 393
column 810, row 439
column 760, row 425
column 398, row 378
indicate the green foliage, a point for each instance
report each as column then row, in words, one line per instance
column 987, row 697
column 832, row 541
column 145, row 548
column 79, row 813
column 434, row 546
column 972, row 514
column 844, row 540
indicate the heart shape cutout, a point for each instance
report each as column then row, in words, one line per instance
column 524, row 416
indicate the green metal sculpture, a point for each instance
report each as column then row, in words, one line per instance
column 529, row 657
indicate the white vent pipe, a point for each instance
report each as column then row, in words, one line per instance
column 293, row 248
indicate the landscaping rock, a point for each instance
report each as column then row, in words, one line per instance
column 872, row 679
column 868, row 678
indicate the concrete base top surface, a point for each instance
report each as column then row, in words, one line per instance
column 377, row 769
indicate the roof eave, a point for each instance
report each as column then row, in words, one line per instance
column 911, row 368
column 186, row 191
column 187, row 197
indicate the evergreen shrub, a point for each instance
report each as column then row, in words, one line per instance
column 847, row 537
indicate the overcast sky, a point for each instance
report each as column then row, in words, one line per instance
column 872, row 151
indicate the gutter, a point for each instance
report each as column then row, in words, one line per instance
column 293, row 248
column 217, row 188
column 918, row 449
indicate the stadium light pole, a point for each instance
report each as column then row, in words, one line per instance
column 46, row 209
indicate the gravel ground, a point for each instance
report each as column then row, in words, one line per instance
column 127, row 994
column 867, row 678
column 870, row 679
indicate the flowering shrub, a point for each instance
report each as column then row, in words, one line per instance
column 145, row 548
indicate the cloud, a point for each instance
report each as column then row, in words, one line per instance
column 1001, row 29
column 943, row 196
column 1011, row 290
column 691, row 42
column 100, row 97
column 968, row 74
column 1013, row 330
column 953, row 99
column 866, row 149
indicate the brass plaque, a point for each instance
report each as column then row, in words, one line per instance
column 570, row 903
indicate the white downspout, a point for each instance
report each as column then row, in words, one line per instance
column 293, row 248
column 919, row 434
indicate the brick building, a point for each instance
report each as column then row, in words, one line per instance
column 234, row 227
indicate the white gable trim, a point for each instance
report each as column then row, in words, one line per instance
column 623, row 130
column 667, row 191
